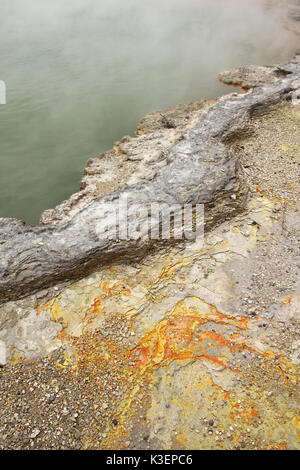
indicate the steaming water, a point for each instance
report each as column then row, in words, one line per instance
column 81, row 73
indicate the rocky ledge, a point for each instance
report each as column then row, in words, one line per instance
column 193, row 346
column 183, row 156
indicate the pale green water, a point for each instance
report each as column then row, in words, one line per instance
column 80, row 74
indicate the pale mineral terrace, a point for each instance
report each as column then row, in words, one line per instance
column 190, row 346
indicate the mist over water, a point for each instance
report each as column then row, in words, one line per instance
column 81, row 73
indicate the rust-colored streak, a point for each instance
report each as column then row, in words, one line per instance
column 176, row 338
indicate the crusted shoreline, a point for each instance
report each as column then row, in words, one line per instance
column 193, row 163
column 178, row 346
column 192, row 347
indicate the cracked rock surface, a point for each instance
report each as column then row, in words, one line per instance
column 193, row 346
column 192, row 164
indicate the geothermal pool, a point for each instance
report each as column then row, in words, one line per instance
column 80, row 74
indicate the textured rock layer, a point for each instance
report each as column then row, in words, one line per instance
column 191, row 162
column 196, row 346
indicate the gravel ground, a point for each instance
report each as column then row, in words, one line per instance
column 271, row 156
column 47, row 404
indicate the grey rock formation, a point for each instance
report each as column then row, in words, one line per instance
column 3, row 358
column 252, row 76
column 174, row 164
